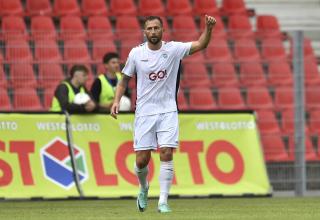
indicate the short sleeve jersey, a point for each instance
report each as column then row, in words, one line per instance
column 157, row 76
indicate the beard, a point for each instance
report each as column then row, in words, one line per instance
column 154, row 39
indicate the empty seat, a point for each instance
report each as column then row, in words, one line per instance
column 42, row 27
column 259, row 98
column 71, row 27
column 308, row 49
column 47, row 51
column 218, row 51
column 38, row 7
column 26, row 99
column 279, row 74
column 99, row 27
column 218, row 30
column 128, row 28
column 195, row 75
column 101, row 47
column 201, row 7
column 274, row 148
column 230, row 7
column 47, row 98
column 251, row 74
column 311, row 71
column 76, row 51
column 314, row 122
column 201, row 99
column 245, row 50
column 179, row 7
column 66, row 7
column 284, row 98
column 288, row 120
column 94, row 7
column 240, row 27
column 267, row 122
column 22, row 75
column 3, row 79
column 182, row 101
column 268, row 27
column 13, row 27
column 273, row 50
column 313, row 97
column 184, row 28
column 18, row 51
column 126, row 47
column 310, row 152
column 197, row 57
column 230, row 98
column 50, row 75
column 10, row 7
column 153, row 7
column 5, row 104
column 224, row 74
column 123, row 7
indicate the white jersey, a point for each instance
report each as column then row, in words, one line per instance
column 157, row 76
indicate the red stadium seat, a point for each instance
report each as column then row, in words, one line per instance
column 312, row 76
column 151, row 7
column 126, row 47
column 94, row 7
column 218, row 51
column 268, row 27
column 274, row 148
column 184, row 28
column 202, row 7
column 240, row 27
column 13, row 27
column 101, row 47
column 251, row 74
column 179, row 7
column 259, row 98
column 284, row 98
column 22, row 75
column 47, row 51
column 76, row 51
column 195, row 58
column 313, row 97
column 267, row 122
column 66, row 7
column 26, row 99
column 195, row 75
column 18, row 51
column 231, row 7
column 230, row 98
column 5, row 104
column 48, row 96
column 280, row 74
column 224, row 75
column 42, row 27
column 287, row 122
column 99, row 27
column 182, row 101
column 201, row 99
column 310, row 152
column 10, row 7
column 218, row 31
column 308, row 49
column 71, row 27
column 38, row 7
column 3, row 79
column 273, row 50
column 245, row 50
column 123, row 7
column 166, row 35
column 128, row 28
column 314, row 122
column 50, row 75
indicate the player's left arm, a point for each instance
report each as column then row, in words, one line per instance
column 205, row 37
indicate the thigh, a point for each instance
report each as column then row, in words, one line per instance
column 145, row 133
column 168, row 130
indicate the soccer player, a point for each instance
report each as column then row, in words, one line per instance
column 156, row 65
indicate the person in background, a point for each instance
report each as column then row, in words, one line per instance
column 71, row 94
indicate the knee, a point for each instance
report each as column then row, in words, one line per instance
column 142, row 161
column 166, row 154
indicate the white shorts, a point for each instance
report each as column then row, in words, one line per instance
column 156, row 130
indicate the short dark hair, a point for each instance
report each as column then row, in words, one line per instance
column 152, row 17
column 108, row 56
column 78, row 67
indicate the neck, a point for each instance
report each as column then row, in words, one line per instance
column 154, row 46
column 111, row 75
column 75, row 83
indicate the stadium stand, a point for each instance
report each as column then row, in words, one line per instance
column 42, row 27
column 38, row 7
column 94, row 7
column 5, row 104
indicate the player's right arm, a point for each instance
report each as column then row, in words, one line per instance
column 120, row 90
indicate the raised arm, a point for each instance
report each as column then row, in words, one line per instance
column 120, row 90
column 205, row 37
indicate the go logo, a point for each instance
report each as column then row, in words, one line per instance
column 159, row 75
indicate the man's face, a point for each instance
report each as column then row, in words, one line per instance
column 153, row 31
column 113, row 65
column 81, row 77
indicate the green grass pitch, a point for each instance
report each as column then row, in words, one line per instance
column 231, row 208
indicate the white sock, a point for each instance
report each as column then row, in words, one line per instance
column 142, row 176
column 165, row 180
